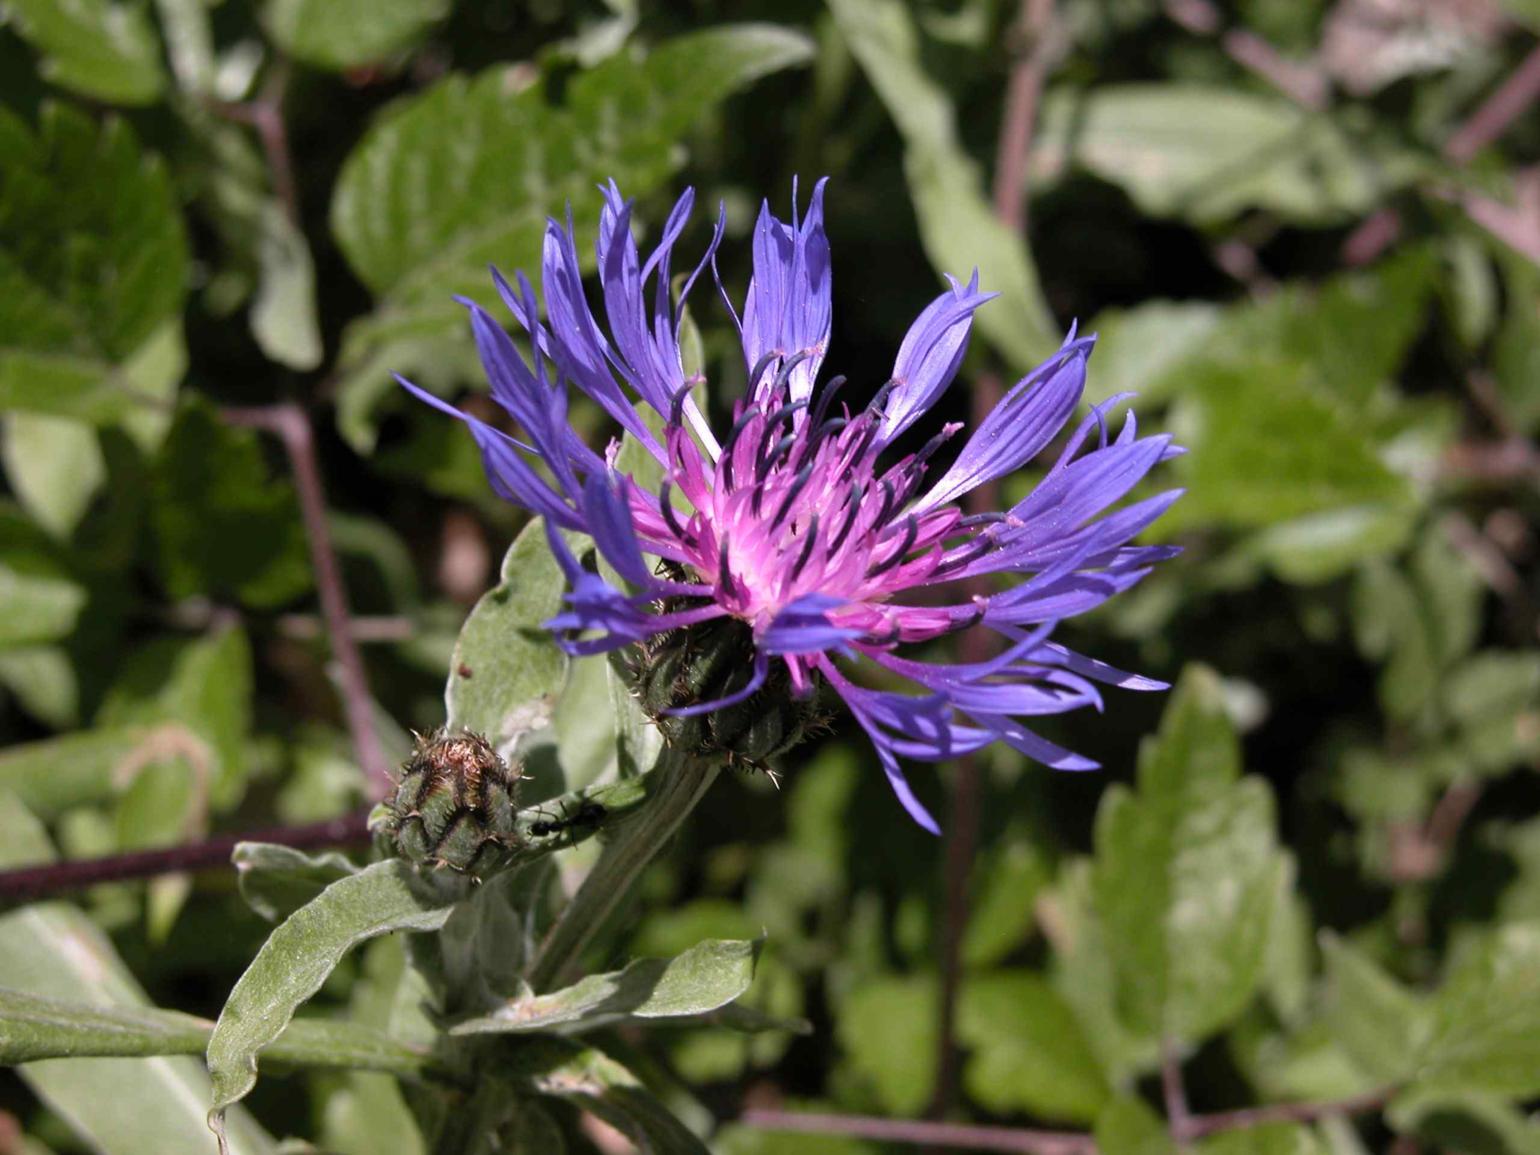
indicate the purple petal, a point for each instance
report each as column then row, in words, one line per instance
column 930, row 355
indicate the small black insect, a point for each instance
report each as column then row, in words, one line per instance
column 589, row 813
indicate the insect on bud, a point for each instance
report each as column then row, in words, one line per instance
column 454, row 807
column 709, row 661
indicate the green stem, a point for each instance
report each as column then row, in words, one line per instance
column 672, row 790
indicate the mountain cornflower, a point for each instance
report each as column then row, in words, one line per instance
column 801, row 522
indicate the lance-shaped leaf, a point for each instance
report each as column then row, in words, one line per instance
column 35, row 1027
column 687, row 988
column 295, row 960
column 1186, row 871
column 96, row 47
column 118, row 1106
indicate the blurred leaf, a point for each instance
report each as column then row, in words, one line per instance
column 1290, row 966
column 1380, row 1024
column 423, row 204
column 1186, row 871
column 93, row 262
column 193, row 697
column 702, row 980
column 1208, row 154
column 277, row 880
column 55, row 467
column 117, row 1106
column 98, row 48
column 283, row 311
column 57, row 774
column 223, row 526
column 1268, row 1139
column 1469, row 1122
column 1007, row 882
column 1486, row 1019
column 1137, row 348
column 1390, row 627
column 38, row 602
column 1029, row 1053
column 958, row 225
column 1320, row 547
column 887, row 1029
column 594, row 1082
column 344, row 34
column 297, row 957
column 43, row 681
column 1516, row 355
column 1268, row 448
column 507, row 669
column 1127, row 1127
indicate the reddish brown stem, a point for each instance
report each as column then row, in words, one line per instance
column 265, row 115
column 291, row 425
column 1511, row 100
column 33, row 882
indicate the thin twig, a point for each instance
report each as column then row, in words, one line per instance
column 265, row 115
column 32, row 882
column 1497, row 112
column 1173, row 1090
column 978, row 1137
column 1247, row 1117
column 1301, row 83
column 1033, row 45
column 966, row 1136
column 291, row 425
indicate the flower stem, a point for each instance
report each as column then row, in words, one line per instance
column 673, row 788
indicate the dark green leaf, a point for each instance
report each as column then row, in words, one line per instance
column 424, row 203
column 958, row 226
column 93, row 264
column 225, row 527
column 343, row 34
column 99, row 48
column 1268, row 1139
column 1186, row 871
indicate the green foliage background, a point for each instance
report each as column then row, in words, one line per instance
column 1320, row 878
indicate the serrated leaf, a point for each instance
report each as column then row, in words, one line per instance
column 297, row 957
column 118, row 1107
column 1207, row 154
column 1186, row 871
column 96, row 47
column 277, row 880
column 224, row 526
column 690, row 986
column 1486, row 1019
column 887, row 1028
column 1028, row 1051
column 958, row 226
column 1268, row 448
column 93, row 263
column 1001, row 915
column 343, row 34
column 507, row 670
column 1380, row 1024
column 424, row 203
column 1127, row 1127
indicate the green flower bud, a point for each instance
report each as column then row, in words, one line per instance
column 455, row 806
column 708, row 661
